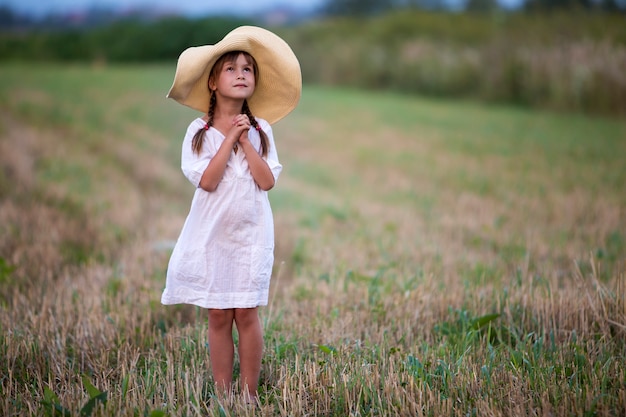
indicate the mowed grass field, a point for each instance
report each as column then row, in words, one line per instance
column 433, row 258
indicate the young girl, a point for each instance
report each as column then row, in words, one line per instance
column 223, row 258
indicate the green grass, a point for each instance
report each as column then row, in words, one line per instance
column 432, row 257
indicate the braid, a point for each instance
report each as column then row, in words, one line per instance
column 255, row 124
column 196, row 143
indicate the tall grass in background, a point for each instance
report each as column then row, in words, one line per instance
column 433, row 257
column 559, row 61
column 569, row 60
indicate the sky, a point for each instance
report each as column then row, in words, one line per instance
column 186, row 7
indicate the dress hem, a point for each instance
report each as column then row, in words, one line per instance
column 225, row 301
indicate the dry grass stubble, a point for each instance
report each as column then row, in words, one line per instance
column 377, row 259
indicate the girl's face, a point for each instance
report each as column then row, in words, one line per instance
column 236, row 78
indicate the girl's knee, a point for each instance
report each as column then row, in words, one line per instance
column 245, row 317
column 220, row 318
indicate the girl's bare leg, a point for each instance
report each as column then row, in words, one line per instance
column 221, row 349
column 250, row 350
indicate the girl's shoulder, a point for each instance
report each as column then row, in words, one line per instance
column 195, row 125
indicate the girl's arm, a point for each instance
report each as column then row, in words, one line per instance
column 214, row 172
column 259, row 169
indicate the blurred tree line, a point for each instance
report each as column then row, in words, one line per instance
column 126, row 40
column 371, row 7
column 572, row 61
column 559, row 54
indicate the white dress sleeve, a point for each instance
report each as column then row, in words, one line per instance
column 272, row 153
column 192, row 164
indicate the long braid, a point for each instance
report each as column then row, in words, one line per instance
column 196, row 143
column 255, row 124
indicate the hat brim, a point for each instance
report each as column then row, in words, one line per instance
column 278, row 86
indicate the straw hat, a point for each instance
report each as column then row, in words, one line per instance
column 279, row 81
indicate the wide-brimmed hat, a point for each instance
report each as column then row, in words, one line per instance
column 279, row 80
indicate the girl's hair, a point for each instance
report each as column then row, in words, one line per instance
column 196, row 144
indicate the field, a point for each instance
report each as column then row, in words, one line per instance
column 432, row 257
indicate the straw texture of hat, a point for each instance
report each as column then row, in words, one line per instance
column 278, row 85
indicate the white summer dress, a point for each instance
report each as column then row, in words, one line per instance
column 224, row 255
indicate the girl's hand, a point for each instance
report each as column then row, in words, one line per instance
column 240, row 127
column 241, row 121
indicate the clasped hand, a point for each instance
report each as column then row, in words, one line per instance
column 239, row 130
